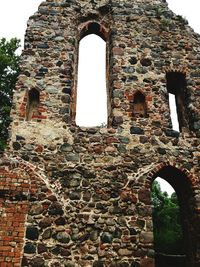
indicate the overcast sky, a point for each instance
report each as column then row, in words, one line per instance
column 15, row 13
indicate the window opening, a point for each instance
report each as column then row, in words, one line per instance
column 173, row 218
column 176, row 87
column 32, row 104
column 91, row 107
column 139, row 105
column 168, row 234
column 173, row 112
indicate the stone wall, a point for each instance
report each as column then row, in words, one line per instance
column 90, row 205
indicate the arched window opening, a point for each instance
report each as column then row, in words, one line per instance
column 91, row 105
column 139, row 105
column 168, row 234
column 176, row 87
column 173, row 217
column 32, row 104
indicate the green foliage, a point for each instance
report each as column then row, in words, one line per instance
column 168, row 235
column 9, row 71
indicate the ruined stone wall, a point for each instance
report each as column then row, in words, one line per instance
column 91, row 205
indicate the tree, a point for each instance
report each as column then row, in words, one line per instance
column 168, row 235
column 9, row 71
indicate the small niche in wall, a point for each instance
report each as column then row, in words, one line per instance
column 32, row 107
column 139, row 105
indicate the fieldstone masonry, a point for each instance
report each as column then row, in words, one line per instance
column 73, row 196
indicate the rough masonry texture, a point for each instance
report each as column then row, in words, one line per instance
column 73, row 196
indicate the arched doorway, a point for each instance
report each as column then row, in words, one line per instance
column 188, row 220
column 169, row 243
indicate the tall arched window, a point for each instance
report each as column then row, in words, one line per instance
column 32, row 104
column 91, row 105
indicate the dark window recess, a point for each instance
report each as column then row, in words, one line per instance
column 32, row 104
column 139, row 105
column 176, row 85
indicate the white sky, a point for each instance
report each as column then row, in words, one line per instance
column 15, row 13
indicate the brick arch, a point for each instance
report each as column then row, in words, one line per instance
column 193, row 179
column 20, row 185
column 139, row 91
column 93, row 27
column 14, row 194
column 184, row 184
column 36, row 176
column 180, row 69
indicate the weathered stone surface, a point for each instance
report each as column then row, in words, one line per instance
column 16, row 146
column 41, row 248
column 63, row 237
column 145, row 62
column 29, row 248
column 136, row 130
column 66, row 148
column 60, row 221
column 37, row 262
column 106, row 237
column 148, row 262
column 98, row 264
column 124, row 252
column 32, row 233
column 161, row 151
column 117, row 120
column 80, row 196
column 47, row 233
column 146, row 237
column 36, row 209
column 46, row 222
column 172, row 133
column 118, row 51
column 69, row 264
column 55, row 209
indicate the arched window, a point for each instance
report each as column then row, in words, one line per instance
column 139, row 105
column 173, row 218
column 168, row 232
column 91, row 104
column 32, row 104
column 176, row 87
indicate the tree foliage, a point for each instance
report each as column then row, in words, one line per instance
column 168, row 234
column 9, row 71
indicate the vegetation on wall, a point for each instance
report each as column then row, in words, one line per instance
column 168, row 235
column 9, row 70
